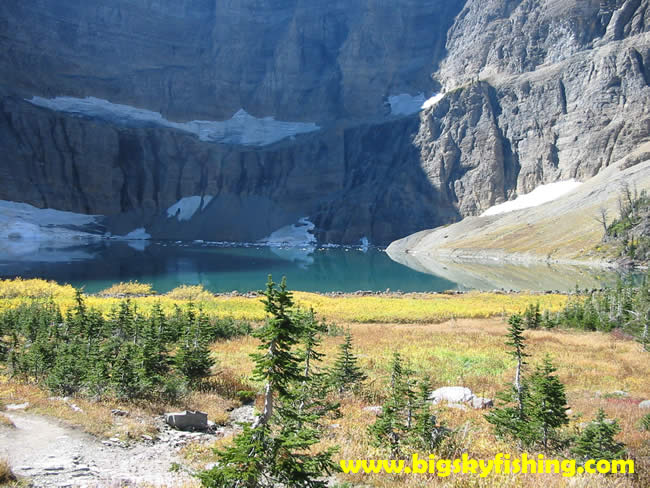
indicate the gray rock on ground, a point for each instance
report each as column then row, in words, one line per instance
column 243, row 415
column 187, row 420
column 645, row 405
column 480, row 403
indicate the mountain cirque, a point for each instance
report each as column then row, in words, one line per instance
column 534, row 92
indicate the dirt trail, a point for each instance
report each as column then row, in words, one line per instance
column 52, row 454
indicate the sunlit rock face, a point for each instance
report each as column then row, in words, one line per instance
column 376, row 119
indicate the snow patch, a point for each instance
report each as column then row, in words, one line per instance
column 405, row 104
column 21, row 221
column 206, row 201
column 186, row 207
column 540, row 195
column 139, row 234
column 433, row 101
column 292, row 235
column 242, row 128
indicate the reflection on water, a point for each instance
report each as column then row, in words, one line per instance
column 500, row 275
column 98, row 264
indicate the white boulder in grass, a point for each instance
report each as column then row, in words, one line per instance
column 451, row 394
column 14, row 406
column 645, row 405
column 457, row 395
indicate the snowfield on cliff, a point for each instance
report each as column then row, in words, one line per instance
column 186, row 207
column 540, row 195
column 405, row 104
column 242, row 128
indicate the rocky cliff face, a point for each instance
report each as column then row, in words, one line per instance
column 352, row 182
column 201, row 59
column 534, row 92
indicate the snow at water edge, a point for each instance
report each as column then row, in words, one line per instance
column 405, row 104
column 139, row 234
column 540, row 195
column 292, row 235
column 242, row 128
column 20, row 221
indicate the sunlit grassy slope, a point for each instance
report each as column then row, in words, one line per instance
column 564, row 229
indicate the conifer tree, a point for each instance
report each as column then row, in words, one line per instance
column 68, row 372
column 193, row 357
column 40, row 357
column 153, row 353
column 277, row 450
column 508, row 420
column 175, row 325
column 644, row 423
column 311, row 393
column 546, row 406
column 532, row 316
column 393, row 423
column 124, row 320
column 597, row 441
column 125, row 379
column 517, row 342
column 426, row 435
column 346, row 375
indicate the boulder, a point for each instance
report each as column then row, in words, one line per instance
column 376, row 409
column 456, row 396
column 645, row 405
column 187, row 420
column 20, row 406
column 243, row 415
column 619, row 394
column 451, row 394
column 480, row 403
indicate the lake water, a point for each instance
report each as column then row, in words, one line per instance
column 97, row 265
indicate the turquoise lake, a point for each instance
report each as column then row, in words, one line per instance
column 165, row 265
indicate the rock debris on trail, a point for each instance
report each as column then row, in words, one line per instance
column 52, row 454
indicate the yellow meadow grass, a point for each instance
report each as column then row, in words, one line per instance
column 34, row 288
column 413, row 308
column 131, row 288
column 190, row 292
